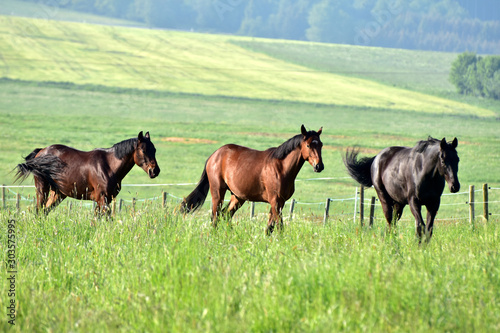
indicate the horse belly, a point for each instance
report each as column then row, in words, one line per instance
column 241, row 171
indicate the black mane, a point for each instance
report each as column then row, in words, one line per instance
column 124, row 148
column 424, row 144
column 288, row 146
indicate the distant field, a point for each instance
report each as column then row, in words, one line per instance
column 50, row 10
column 39, row 50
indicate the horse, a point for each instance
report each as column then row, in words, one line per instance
column 60, row 171
column 253, row 175
column 414, row 176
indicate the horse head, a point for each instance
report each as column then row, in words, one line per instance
column 448, row 164
column 144, row 155
column 311, row 148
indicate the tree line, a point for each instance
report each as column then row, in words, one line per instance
column 441, row 25
column 475, row 75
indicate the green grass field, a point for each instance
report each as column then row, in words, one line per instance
column 91, row 86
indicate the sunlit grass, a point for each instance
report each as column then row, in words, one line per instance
column 41, row 50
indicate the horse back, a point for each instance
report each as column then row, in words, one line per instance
column 83, row 169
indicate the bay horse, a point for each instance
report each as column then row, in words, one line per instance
column 253, row 175
column 60, row 171
column 414, row 176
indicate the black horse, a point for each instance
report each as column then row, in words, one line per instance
column 413, row 176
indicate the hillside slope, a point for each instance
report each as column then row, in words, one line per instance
column 180, row 62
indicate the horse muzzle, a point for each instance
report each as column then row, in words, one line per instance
column 318, row 167
column 153, row 172
column 454, row 188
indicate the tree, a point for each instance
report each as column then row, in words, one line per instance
column 462, row 73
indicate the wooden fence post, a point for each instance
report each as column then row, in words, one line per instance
column 164, row 199
column 355, row 205
column 485, row 202
column 361, row 204
column 292, row 205
column 327, row 210
column 372, row 211
column 113, row 207
column 3, row 196
column 471, row 204
column 120, row 205
column 252, row 209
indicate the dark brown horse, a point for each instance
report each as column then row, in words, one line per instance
column 262, row 176
column 60, row 171
column 414, row 176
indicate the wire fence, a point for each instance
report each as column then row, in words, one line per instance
column 362, row 207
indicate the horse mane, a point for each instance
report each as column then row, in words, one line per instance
column 424, row 144
column 288, row 146
column 124, row 148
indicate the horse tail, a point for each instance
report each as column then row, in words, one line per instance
column 47, row 167
column 359, row 170
column 196, row 199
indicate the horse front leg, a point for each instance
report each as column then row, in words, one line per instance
column 431, row 215
column 275, row 216
column 416, row 209
column 102, row 207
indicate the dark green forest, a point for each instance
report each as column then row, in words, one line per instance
column 440, row 25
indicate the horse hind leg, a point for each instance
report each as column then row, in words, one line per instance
column 42, row 194
column 54, row 199
column 234, row 205
column 217, row 202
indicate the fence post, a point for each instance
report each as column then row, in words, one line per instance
column 18, row 201
column 361, row 204
column 471, row 204
column 292, row 205
column 164, row 199
column 372, row 211
column 113, row 207
column 485, row 202
column 120, row 205
column 3, row 196
column 252, row 210
column 355, row 205
column 327, row 210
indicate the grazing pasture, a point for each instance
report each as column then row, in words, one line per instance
column 152, row 269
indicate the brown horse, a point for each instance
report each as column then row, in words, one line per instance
column 261, row 176
column 60, row 171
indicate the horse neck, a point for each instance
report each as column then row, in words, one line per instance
column 121, row 167
column 433, row 166
column 292, row 163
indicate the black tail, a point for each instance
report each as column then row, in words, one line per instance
column 196, row 199
column 360, row 170
column 47, row 167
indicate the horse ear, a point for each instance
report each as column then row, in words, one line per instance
column 303, row 130
column 443, row 144
column 320, row 130
column 140, row 136
column 147, row 135
column 454, row 144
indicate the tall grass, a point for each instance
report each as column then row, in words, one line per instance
column 157, row 271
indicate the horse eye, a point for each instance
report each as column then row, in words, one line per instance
column 308, row 146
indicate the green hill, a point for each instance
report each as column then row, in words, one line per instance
column 181, row 62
